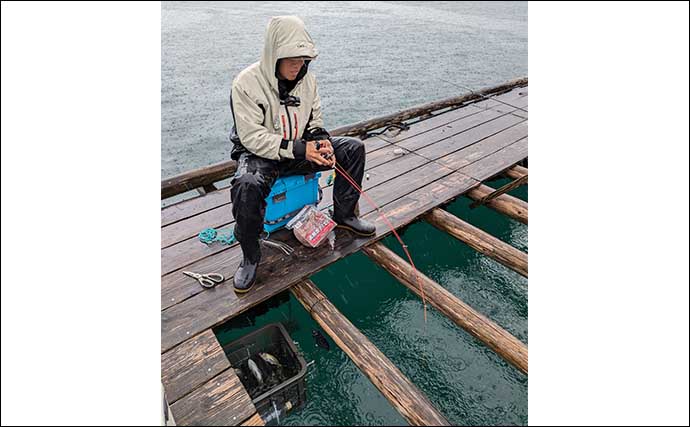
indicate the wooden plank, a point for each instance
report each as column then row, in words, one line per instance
column 188, row 251
column 485, row 168
column 221, row 216
column 505, row 123
column 488, row 332
column 197, row 205
column 505, row 203
column 191, row 364
column 479, row 240
column 423, row 109
column 480, row 126
column 277, row 273
column 184, row 209
column 177, row 287
column 254, row 420
column 451, row 133
column 220, row 401
column 454, row 129
column 450, row 116
column 403, row 395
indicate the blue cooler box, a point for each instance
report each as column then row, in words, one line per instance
column 288, row 196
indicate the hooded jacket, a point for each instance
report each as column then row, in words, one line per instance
column 263, row 125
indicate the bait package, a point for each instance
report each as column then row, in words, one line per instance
column 311, row 226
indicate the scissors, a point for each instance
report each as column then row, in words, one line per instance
column 206, row 280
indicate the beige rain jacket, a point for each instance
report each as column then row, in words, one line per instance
column 264, row 126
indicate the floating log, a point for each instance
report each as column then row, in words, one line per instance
column 503, row 343
column 209, row 174
column 412, row 404
column 479, row 240
column 505, row 203
column 516, row 172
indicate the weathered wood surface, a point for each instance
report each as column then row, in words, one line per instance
column 254, row 421
column 403, row 395
column 191, row 364
column 220, row 401
column 498, row 339
column 505, row 203
column 465, row 128
column 508, row 155
column 177, row 287
column 199, row 310
column 479, row 240
column 456, row 113
column 516, row 172
column 382, row 165
column 198, row 205
column 209, row 174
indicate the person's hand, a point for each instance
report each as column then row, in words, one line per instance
column 324, row 156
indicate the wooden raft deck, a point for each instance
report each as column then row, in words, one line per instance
column 446, row 156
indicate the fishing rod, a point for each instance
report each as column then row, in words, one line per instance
column 482, row 95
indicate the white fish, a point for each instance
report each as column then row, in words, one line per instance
column 270, row 359
column 255, row 370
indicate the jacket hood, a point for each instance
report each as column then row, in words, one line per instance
column 286, row 37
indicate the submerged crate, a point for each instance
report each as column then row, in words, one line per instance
column 283, row 388
column 288, row 196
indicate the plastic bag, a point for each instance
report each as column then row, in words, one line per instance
column 311, row 226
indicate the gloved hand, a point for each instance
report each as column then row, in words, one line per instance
column 320, row 152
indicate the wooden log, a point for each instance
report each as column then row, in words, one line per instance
column 197, row 178
column 479, row 240
column 405, row 397
column 516, row 172
column 505, row 203
column 504, row 189
column 498, row 339
column 209, row 174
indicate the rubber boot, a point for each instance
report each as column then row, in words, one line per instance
column 245, row 276
column 345, row 215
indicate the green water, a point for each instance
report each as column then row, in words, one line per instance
column 465, row 380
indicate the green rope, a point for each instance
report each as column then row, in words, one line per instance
column 210, row 235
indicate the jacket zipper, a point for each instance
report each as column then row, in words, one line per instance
column 289, row 121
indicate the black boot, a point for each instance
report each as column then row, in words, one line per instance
column 245, row 276
column 345, row 215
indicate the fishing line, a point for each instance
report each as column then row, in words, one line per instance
column 352, row 182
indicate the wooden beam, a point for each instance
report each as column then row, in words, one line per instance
column 498, row 339
column 505, row 204
column 516, row 172
column 197, row 178
column 412, row 404
column 209, row 174
column 502, row 190
column 479, row 240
